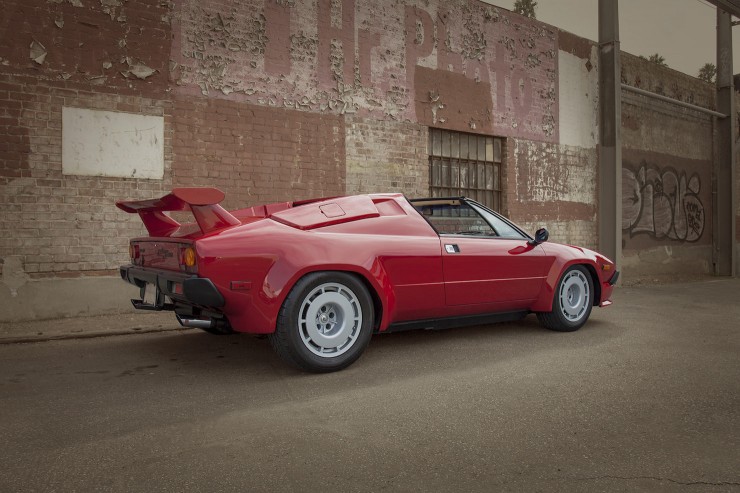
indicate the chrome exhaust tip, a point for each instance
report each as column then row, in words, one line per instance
column 195, row 323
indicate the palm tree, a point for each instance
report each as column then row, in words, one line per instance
column 656, row 58
column 708, row 72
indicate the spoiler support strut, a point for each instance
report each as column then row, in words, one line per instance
column 202, row 202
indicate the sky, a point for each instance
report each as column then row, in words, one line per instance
column 682, row 31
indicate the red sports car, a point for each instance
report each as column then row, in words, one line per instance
column 320, row 276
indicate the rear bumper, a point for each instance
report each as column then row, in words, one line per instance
column 184, row 288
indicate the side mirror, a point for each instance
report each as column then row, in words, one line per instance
column 540, row 236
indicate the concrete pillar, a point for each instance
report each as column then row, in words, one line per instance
column 610, row 140
column 725, row 197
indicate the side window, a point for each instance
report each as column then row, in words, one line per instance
column 456, row 219
column 503, row 228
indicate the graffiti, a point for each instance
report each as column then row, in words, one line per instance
column 662, row 203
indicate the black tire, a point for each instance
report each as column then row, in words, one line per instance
column 572, row 302
column 340, row 311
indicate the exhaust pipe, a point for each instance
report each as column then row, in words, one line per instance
column 195, row 323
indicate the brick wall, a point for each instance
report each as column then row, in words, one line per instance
column 278, row 100
column 63, row 225
column 553, row 186
column 257, row 154
column 387, row 156
column 74, row 54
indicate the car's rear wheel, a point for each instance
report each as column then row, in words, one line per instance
column 325, row 322
column 572, row 303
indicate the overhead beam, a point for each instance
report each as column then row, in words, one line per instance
column 610, row 139
column 730, row 6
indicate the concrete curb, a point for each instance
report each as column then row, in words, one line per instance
column 87, row 335
column 85, row 327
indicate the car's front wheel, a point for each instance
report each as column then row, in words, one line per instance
column 325, row 322
column 572, row 303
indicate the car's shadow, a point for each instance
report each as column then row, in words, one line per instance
column 189, row 375
column 388, row 355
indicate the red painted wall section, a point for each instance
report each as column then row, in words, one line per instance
column 257, row 154
column 107, row 45
column 348, row 56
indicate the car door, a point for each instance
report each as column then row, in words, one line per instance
column 486, row 259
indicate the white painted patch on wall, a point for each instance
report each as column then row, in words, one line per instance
column 578, row 100
column 107, row 143
column 555, row 172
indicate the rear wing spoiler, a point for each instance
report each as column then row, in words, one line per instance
column 202, row 202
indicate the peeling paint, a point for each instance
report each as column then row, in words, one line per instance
column 74, row 3
column 137, row 69
column 547, row 173
column 97, row 80
column 38, row 52
column 491, row 14
column 436, row 105
column 110, row 6
column 347, row 56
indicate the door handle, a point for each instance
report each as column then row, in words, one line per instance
column 452, row 248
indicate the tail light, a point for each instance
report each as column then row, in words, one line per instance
column 134, row 252
column 188, row 259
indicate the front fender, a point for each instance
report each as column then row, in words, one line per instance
column 564, row 257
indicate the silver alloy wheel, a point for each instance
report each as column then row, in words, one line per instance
column 574, row 295
column 330, row 320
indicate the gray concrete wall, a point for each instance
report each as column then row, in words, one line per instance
column 667, row 154
column 29, row 299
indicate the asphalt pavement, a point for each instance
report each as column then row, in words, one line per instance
column 646, row 397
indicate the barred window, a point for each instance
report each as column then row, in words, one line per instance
column 462, row 164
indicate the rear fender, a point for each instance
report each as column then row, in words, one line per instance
column 374, row 277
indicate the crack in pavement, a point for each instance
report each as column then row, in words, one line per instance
column 658, row 478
